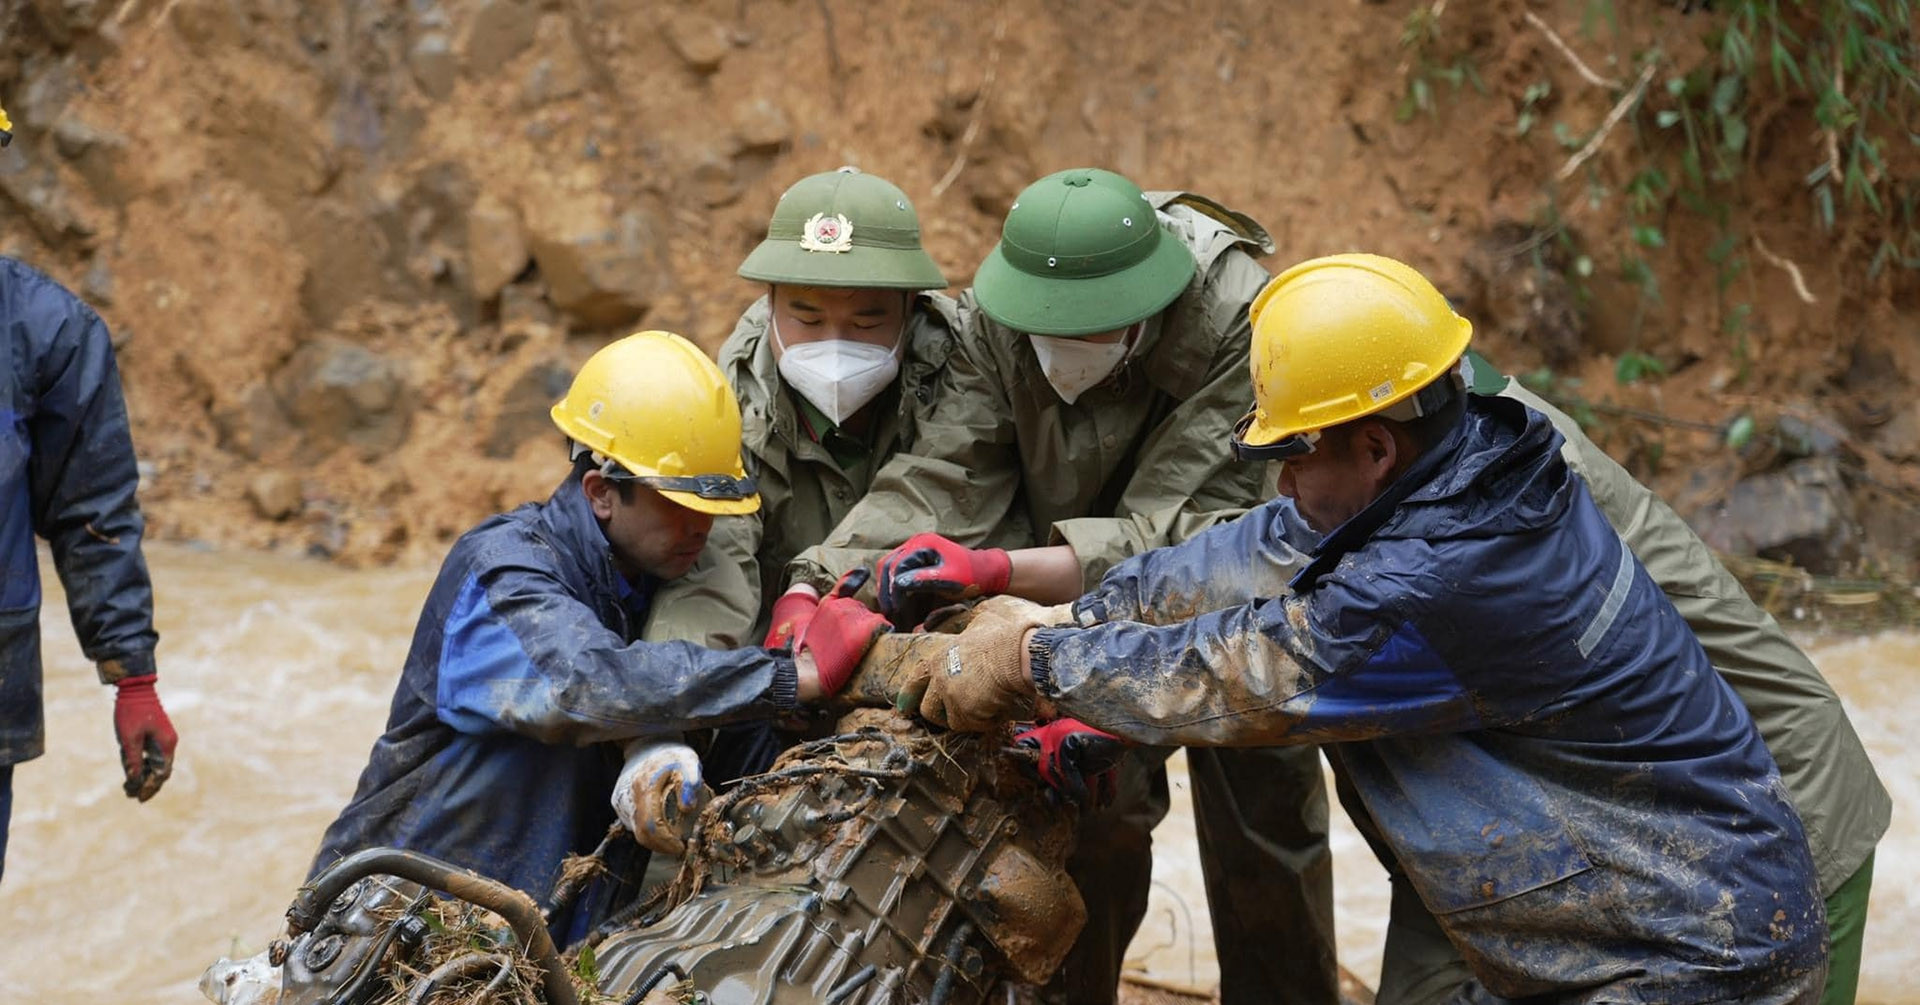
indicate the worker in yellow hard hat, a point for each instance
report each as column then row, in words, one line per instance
column 526, row 689
column 1583, row 804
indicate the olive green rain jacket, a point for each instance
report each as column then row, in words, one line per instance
column 1138, row 462
column 1832, row 783
column 804, row 490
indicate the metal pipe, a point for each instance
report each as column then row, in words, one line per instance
column 845, row 989
column 943, row 985
column 521, row 913
column 458, row 968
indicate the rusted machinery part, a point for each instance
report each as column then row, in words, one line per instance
column 519, row 910
column 466, row 967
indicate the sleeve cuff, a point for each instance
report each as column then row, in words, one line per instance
column 784, row 692
column 119, row 668
column 1040, row 659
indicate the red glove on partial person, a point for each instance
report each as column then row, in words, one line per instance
column 1077, row 761
column 840, row 632
column 790, row 614
column 929, row 565
column 146, row 737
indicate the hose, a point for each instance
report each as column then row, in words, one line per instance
column 943, row 986
column 311, row 904
column 845, row 989
column 653, row 980
column 460, row 968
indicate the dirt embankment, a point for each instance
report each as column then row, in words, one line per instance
column 353, row 250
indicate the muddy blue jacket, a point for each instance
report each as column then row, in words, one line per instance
column 67, row 474
column 1577, row 796
column 501, row 748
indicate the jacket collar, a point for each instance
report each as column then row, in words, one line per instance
column 1503, row 454
column 568, row 521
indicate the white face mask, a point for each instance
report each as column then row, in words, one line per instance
column 839, row 376
column 1075, row 366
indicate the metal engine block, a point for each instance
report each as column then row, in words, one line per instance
column 883, row 865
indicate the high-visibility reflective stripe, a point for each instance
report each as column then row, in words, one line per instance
column 1616, row 599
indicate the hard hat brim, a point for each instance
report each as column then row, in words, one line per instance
column 863, row 267
column 1040, row 305
column 715, row 507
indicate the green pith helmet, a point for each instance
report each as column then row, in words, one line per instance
column 844, row 228
column 1082, row 252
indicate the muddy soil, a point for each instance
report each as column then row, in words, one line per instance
column 352, row 250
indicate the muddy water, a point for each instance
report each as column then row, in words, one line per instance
column 278, row 675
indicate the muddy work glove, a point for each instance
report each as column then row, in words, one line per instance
column 146, row 737
column 1077, row 761
column 978, row 679
column 660, row 795
column 790, row 614
column 929, row 570
column 839, row 634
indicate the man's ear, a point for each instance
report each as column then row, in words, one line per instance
column 600, row 493
column 1379, row 451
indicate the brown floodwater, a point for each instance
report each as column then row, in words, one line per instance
column 278, row 672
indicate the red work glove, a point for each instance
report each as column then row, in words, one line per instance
column 790, row 614
column 1077, row 761
column 840, row 632
column 930, row 566
column 146, row 737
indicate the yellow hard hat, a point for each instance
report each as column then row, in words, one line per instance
column 6, row 128
column 655, row 405
column 1342, row 337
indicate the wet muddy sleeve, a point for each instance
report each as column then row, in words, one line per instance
column 1239, row 561
column 1334, row 667
column 717, row 603
column 520, row 655
column 82, row 475
column 960, row 479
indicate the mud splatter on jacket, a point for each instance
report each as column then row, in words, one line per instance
column 1579, row 799
column 1138, row 462
column 499, row 752
column 1834, row 788
column 67, row 474
column 804, row 491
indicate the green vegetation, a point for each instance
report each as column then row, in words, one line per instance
column 1830, row 85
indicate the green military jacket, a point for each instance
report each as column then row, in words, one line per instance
column 804, row 490
column 1138, row 462
column 1832, row 783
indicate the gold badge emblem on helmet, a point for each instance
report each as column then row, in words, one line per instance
column 827, row 233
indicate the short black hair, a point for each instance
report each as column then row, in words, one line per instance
column 1426, row 431
column 585, row 463
column 1429, row 430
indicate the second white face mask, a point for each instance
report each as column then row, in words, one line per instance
column 1075, row 366
column 838, row 376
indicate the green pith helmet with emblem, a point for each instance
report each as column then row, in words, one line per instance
column 844, row 228
column 1082, row 252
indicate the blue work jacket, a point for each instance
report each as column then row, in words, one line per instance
column 67, row 474
column 1579, row 799
column 502, row 745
